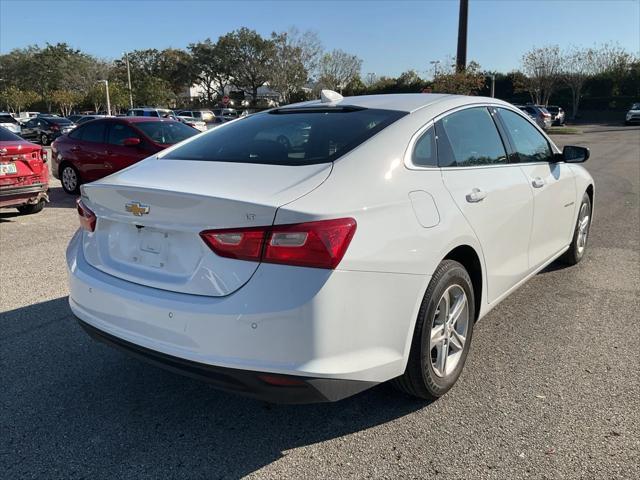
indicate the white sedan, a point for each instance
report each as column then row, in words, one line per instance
column 362, row 249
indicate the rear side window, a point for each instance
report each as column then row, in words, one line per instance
column 288, row 137
column 528, row 142
column 118, row 132
column 166, row 133
column 469, row 138
column 424, row 151
column 93, row 132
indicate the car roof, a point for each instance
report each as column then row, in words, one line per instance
column 133, row 119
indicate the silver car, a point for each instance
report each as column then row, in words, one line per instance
column 539, row 114
column 7, row 121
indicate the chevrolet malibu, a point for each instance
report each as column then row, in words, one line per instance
column 362, row 249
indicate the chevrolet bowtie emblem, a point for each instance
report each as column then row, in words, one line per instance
column 137, row 208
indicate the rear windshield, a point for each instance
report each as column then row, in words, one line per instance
column 166, row 133
column 7, row 136
column 282, row 137
column 7, row 119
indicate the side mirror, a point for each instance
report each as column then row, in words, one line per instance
column 131, row 142
column 575, row 154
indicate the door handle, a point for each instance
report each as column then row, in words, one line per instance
column 476, row 195
column 537, row 182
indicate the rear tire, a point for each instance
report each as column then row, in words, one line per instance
column 70, row 179
column 44, row 140
column 578, row 245
column 442, row 335
column 31, row 208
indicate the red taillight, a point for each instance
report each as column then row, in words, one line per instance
column 87, row 217
column 320, row 244
column 241, row 244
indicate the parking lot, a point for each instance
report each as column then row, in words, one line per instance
column 550, row 389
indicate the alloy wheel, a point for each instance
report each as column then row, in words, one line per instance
column 583, row 228
column 449, row 329
column 69, row 179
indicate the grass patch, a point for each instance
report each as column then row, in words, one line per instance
column 563, row 131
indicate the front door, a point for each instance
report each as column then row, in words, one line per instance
column 119, row 155
column 492, row 194
column 552, row 184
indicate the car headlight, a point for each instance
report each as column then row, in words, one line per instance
column 628, row 115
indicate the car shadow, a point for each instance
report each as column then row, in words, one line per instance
column 79, row 408
column 58, row 198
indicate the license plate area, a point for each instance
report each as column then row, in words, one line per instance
column 153, row 248
column 8, row 168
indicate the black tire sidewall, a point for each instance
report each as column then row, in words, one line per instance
column 455, row 274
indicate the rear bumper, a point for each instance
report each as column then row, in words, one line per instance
column 15, row 196
column 299, row 322
column 271, row 388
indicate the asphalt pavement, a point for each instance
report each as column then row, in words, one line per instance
column 550, row 390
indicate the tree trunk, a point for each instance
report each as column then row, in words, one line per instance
column 254, row 94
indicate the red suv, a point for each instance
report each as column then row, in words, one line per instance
column 101, row 147
column 24, row 176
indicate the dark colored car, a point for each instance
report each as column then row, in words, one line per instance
column 46, row 129
column 101, row 147
column 24, row 176
column 74, row 118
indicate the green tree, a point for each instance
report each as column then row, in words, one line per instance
column 251, row 59
column 65, row 100
column 337, row 68
column 288, row 73
column 211, row 67
column 16, row 100
column 467, row 82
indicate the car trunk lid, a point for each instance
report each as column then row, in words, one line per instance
column 150, row 217
column 19, row 161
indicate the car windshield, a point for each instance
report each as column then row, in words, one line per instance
column 166, row 133
column 7, row 136
column 7, row 119
column 635, row 106
column 288, row 136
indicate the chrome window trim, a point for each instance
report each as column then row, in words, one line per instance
column 408, row 163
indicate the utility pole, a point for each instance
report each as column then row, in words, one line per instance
column 106, row 86
column 435, row 64
column 461, row 57
column 126, row 57
column 493, row 86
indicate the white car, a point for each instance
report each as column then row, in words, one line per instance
column 633, row 115
column 7, row 121
column 312, row 269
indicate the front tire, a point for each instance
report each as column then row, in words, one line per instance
column 70, row 179
column 443, row 333
column 580, row 234
column 32, row 208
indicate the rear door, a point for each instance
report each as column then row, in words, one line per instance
column 552, row 184
column 29, row 130
column 119, row 155
column 90, row 151
column 491, row 193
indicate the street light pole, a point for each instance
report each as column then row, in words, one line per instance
column 106, row 86
column 435, row 64
column 126, row 57
column 493, row 86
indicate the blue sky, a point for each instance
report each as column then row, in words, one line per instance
column 390, row 36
